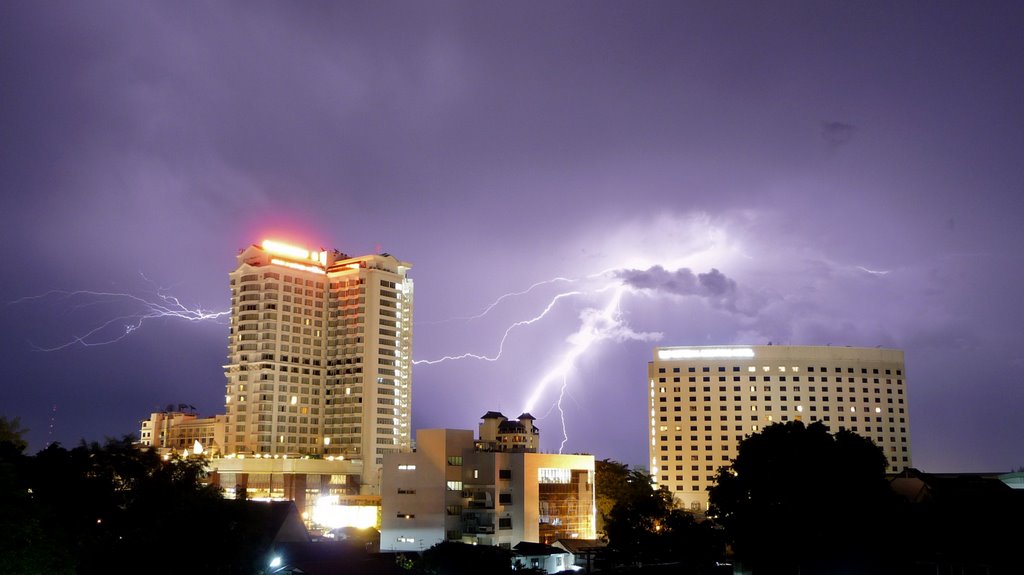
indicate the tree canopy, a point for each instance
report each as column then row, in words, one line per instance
column 111, row 507
column 453, row 558
column 801, row 499
column 644, row 525
column 13, row 433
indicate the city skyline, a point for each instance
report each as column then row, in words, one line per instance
column 665, row 175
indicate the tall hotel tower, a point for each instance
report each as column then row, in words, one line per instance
column 704, row 400
column 319, row 356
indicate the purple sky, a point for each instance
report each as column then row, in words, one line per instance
column 797, row 148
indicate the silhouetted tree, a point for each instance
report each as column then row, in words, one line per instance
column 611, row 484
column 451, row 558
column 12, row 432
column 644, row 525
column 107, row 508
column 27, row 545
column 800, row 500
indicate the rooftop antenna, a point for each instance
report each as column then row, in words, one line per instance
column 53, row 425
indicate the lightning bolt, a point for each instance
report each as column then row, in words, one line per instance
column 561, row 413
column 589, row 333
column 504, row 337
column 161, row 305
column 502, row 298
column 596, row 325
column 513, row 294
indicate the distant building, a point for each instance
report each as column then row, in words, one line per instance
column 177, row 431
column 704, row 400
column 496, row 490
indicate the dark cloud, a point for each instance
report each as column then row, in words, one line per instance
column 713, row 285
column 837, row 133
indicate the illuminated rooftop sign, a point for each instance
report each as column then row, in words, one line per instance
column 706, row 353
column 295, row 266
column 294, row 253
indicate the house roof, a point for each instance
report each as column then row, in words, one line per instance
column 577, row 546
column 508, row 426
column 951, row 488
column 530, row 549
column 493, row 415
column 280, row 518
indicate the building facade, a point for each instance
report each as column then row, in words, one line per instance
column 178, row 431
column 453, row 488
column 704, row 400
column 319, row 355
column 325, row 491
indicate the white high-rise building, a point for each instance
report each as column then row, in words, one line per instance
column 319, row 355
column 704, row 400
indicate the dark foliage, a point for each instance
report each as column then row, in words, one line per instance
column 450, row 558
column 644, row 526
column 799, row 499
column 112, row 508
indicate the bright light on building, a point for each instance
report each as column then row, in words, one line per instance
column 705, row 352
column 293, row 252
column 330, row 513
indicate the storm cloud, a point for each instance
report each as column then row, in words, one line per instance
column 713, row 285
column 495, row 146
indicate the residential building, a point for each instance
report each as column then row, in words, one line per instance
column 319, row 356
column 496, row 490
column 704, row 400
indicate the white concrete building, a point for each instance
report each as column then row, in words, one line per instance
column 319, row 356
column 704, row 400
column 492, row 491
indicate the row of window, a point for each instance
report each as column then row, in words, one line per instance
column 780, row 378
column 781, row 368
